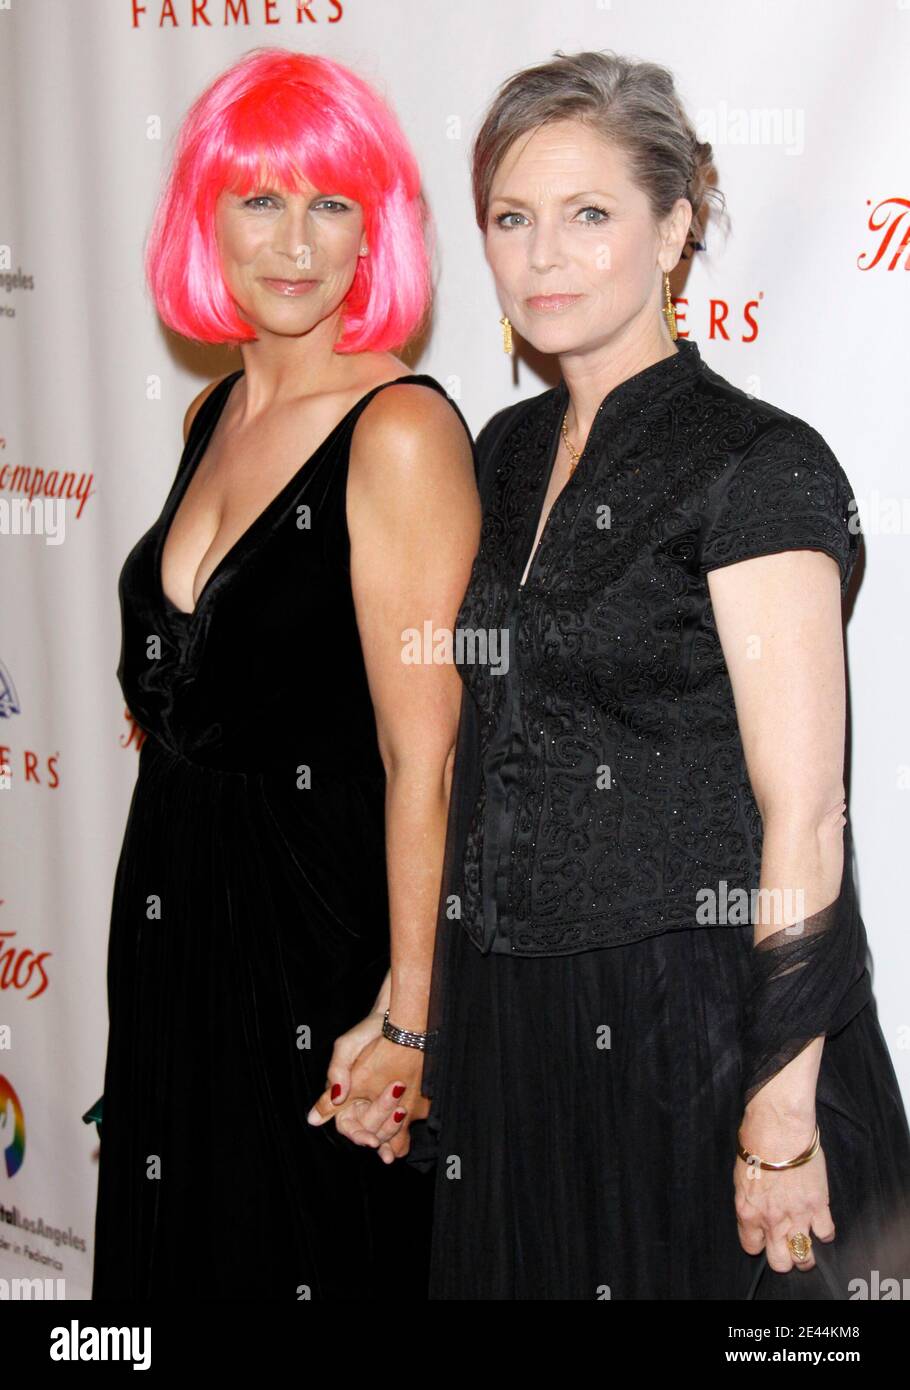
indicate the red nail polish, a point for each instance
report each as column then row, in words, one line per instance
column 398, row 1116
column 336, row 1090
column 398, row 1091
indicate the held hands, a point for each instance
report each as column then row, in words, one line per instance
column 373, row 1089
column 770, row 1206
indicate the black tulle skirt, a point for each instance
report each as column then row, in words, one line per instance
column 585, row 1114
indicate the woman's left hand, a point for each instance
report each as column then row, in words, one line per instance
column 770, row 1206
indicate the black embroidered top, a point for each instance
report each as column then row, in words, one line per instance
column 609, row 787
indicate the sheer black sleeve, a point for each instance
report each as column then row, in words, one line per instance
column 807, row 980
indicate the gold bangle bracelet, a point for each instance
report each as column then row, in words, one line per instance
column 755, row 1161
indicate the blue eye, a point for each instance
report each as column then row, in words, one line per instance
column 262, row 201
column 503, row 220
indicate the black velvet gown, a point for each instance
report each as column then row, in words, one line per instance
column 250, row 922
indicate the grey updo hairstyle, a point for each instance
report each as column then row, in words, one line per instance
column 632, row 104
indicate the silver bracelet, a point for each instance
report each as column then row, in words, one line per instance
column 406, row 1036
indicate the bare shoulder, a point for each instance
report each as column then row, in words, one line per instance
column 396, row 427
column 196, row 402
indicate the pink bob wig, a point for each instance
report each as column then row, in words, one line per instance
column 268, row 120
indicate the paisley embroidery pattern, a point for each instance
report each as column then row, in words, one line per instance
column 614, row 786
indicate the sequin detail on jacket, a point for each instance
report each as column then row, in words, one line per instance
column 612, row 789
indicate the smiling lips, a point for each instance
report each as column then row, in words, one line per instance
column 289, row 287
column 552, row 303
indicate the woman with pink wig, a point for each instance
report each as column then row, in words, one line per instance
column 270, row 898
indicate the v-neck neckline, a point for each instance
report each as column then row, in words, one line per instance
column 677, row 365
column 561, row 398
column 179, row 492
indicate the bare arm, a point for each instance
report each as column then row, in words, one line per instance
column 414, row 522
column 780, row 626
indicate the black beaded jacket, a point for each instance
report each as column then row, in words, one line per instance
column 603, row 787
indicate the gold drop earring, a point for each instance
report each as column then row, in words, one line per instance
column 668, row 311
column 506, row 334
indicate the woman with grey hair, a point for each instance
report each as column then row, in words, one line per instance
column 658, row 1069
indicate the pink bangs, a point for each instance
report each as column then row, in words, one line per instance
column 273, row 118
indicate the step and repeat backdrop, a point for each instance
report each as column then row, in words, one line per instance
column 801, row 297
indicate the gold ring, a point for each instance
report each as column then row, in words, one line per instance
column 799, row 1246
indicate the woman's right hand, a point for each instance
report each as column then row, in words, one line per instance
column 350, row 1044
column 348, row 1047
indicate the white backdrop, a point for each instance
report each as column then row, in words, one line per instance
column 806, row 104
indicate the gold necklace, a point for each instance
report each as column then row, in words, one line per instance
column 574, row 452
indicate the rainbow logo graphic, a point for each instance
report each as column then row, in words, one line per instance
column 12, row 1128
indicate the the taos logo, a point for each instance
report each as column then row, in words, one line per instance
column 889, row 217
column 17, row 966
column 12, row 1128
column 9, row 700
